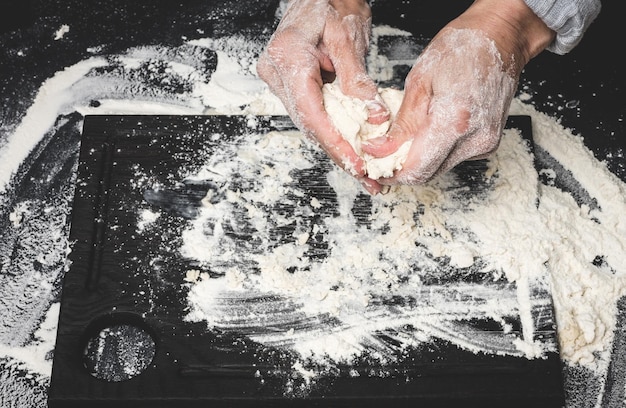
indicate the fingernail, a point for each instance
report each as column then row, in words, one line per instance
column 384, row 189
column 377, row 141
column 370, row 185
column 377, row 113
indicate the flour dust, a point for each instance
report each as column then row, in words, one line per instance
column 307, row 262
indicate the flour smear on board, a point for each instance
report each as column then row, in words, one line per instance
column 357, row 266
column 568, row 237
column 581, row 246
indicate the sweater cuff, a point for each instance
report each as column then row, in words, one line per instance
column 568, row 18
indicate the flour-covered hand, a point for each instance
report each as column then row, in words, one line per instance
column 458, row 93
column 315, row 42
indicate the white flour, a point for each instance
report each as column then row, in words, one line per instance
column 559, row 233
column 582, row 248
column 364, row 266
column 585, row 295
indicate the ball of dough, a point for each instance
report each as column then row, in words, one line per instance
column 349, row 115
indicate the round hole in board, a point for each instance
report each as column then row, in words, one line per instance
column 118, row 347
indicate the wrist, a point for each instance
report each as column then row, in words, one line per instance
column 518, row 32
column 348, row 7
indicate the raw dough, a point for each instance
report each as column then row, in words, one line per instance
column 349, row 115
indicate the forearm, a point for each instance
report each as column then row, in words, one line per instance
column 347, row 7
column 518, row 32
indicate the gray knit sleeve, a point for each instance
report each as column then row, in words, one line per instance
column 568, row 18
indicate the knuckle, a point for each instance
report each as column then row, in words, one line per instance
column 490, row 142
column 263, row 67
column 416, row 176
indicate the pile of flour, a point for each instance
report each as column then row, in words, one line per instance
column 588, row 244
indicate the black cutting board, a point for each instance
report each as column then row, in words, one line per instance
column 133, row 290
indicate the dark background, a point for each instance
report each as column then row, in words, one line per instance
column 584, row 89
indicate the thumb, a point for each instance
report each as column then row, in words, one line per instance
column 408, row 123
column 389, row 143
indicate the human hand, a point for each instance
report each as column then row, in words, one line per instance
column 315, row 42
column 458, row 93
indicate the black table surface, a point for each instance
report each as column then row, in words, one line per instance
column 592, row 74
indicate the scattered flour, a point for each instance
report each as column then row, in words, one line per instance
column 147, row 217
column 35, row 356
column 580, row 248
column 351, row 279
column 521, row 232
column 563, row 238
column 60, row 33
column 585, row 291
column 52, row 100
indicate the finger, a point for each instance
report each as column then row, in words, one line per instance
column 410, row 122
column 316, row 120
column 377, row 111
column 268, row 72
column 372, row 186
column 311, row 117
column 388, row 144
column 436, row 131
column 350, row 41
column 420, row 165
column 472, row 148
column 439, row 148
